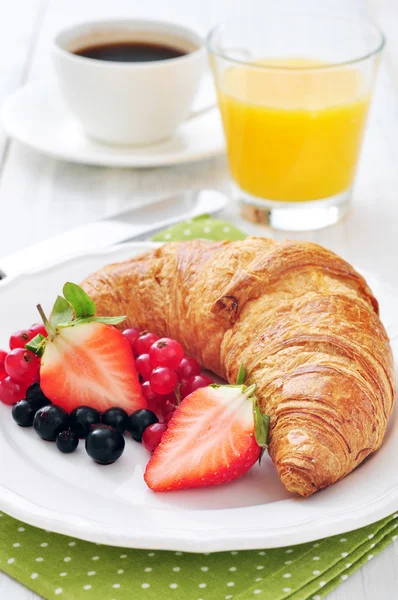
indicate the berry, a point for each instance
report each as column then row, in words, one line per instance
column 184, row 389
column 81, row 420
column 167, row 416
column 152, row 436
column 143, row 366
column 11, row 391
column 116, row 418
column 3, row 372
column 67, row 442
column 36, row 329
column 163, row 380
column 105, row 445
column 139, row 421
column 90, row 364
column 211, row 439
column 22, row 365
column 168, row 408
column 195, row 383
column 169, row 405
column 188, row 367
column 149, row 394
column 131, row 335
column 144, row 342
column 23, row 413
column 20, row 338
column 166, row 353
column 36, row 397
column 154, row 401
column 49, row 421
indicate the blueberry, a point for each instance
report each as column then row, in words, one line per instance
column 116, row 418
column 36, row 397
column 105, row 445
column 81, row 420
column 23, row 413
column 139, row 421
column 49, row 421
column 67, row 442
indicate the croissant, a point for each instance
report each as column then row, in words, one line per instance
column 302, row 321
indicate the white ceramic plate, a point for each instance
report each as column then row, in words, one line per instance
column 37, row 116
column 112, row 505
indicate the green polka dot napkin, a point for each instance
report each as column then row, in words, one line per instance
column 200, row 227
column 57, row 566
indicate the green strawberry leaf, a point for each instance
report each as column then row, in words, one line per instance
column 261, row 428
column 62, row 312
column 241, row 375
column 105, row 320
column 261, row 424
column 36, row 344
column 81, row 303
column 110, row 320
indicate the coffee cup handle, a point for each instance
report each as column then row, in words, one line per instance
column 211, row 102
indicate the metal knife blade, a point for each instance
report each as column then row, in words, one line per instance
column 122, row 227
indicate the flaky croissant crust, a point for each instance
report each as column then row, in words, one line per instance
column 302, row 321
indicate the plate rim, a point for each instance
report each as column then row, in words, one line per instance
column 191, row 540
column 332, row 523
column 116, row 161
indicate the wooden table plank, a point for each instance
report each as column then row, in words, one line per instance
column 19, row 26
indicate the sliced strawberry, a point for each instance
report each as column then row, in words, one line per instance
column 84, row 360
column 90, row 364
column 210, row 439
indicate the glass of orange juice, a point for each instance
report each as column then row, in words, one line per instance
column 294, row 93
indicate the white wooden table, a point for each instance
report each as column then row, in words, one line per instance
column 40, row 196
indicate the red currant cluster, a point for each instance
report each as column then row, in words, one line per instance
column 19, row 368
column 167, row 374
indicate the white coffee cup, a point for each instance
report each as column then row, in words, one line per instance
column 129, row 103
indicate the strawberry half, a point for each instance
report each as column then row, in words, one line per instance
column 215, row 435
column 84, row 359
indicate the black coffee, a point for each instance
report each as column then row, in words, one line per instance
column 130, row 52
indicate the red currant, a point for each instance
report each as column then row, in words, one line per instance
column 154, row 401
column 143, row 365
column 150, row 396
column 152, row 436
column 188, row 367
column 167, row 416
column 168, row 409
column 163, row 380
column 36, row 329
column 20, row 338
column 147, row 391
column 166, row 353
column 144, row 342
column 3, row 356
column 22, row 365
column 194, row 383
column 12, row 391
column 169, row 402
column 131, row 335
column 185, row 389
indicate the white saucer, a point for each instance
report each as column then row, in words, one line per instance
column 37, row 116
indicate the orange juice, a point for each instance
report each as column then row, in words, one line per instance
column 293, row 134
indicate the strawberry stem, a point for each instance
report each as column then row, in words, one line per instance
column 177, row 395
column 49, row 328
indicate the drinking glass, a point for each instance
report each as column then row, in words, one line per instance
column 294, row 92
